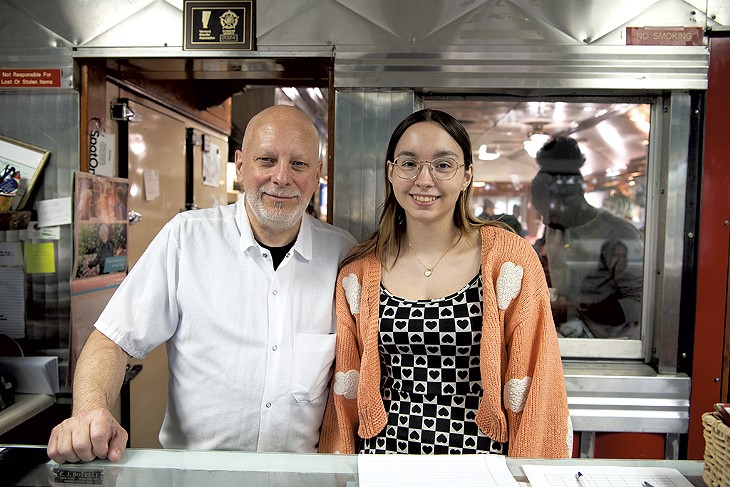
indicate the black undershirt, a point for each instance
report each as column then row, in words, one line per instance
column 278, row 253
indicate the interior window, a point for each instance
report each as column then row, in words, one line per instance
column 571, row 178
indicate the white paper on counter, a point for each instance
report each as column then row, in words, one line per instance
column 604, row 476
column 434, row 470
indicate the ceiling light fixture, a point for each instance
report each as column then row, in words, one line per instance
column 534, row 143
column 487, row 156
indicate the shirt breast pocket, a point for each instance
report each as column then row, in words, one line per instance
column 313, row 356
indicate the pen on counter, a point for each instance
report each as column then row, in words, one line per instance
column 581, row 479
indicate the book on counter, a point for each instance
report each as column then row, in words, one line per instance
column 32, row 375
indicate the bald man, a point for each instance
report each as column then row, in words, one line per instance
column 242, row 297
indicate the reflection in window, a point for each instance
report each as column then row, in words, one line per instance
column 580, row 200
column 592, row 257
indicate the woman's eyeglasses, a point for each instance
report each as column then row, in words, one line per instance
column 410, row 168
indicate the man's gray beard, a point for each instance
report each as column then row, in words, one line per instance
column 276, row 219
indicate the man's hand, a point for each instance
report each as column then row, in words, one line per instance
column 86, row 436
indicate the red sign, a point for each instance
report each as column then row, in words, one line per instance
column 30, row 78
column 664, row 36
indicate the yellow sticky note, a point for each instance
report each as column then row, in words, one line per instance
column 40, row 258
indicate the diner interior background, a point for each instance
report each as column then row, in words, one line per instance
column 506, row 135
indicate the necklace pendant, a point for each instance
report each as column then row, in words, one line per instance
column 427, row 273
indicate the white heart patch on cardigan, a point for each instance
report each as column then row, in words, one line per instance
column 352, row 292
column 509, row 284
column 346, row 383
column 515, row 393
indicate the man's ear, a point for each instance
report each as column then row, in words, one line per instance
column 239, row 165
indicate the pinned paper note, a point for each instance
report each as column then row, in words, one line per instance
column 46, row 233
column 54, row 212
column 11, row 254
column 151, row 184
column 212, row 166
column 12, row 304
column 40, row 258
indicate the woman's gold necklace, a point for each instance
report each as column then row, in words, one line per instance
column 429, row 270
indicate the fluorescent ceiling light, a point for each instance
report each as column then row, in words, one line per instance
column 535, row 143
column 487, row 156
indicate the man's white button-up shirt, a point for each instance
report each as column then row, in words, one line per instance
column 249, row 348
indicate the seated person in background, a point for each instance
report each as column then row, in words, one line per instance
column 445, row 340
column 242, row 296
column 595, row 258
column 511, row 221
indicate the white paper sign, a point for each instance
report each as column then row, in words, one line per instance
column 54, row 212
column 12, row 301
column 11, row 254
column 47, row 233
column 212, row 166
column 102, row 161
column 151, row 184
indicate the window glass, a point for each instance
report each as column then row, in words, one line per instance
column 570, row 177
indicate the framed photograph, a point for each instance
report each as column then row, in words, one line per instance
column 26, row 159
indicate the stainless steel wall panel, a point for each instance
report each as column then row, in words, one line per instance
column 671, row 237
column 280, row 24
column 510, row 68
column 626, row 397
column 49, row 120
column 364, row 120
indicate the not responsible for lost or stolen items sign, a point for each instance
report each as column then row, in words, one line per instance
column 30, row 78
column 219, row 24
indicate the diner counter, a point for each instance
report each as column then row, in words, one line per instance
column 25, row 407
column 140, row 468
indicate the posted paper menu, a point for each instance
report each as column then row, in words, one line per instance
column 607, row 476
column 12, row 301
column 434, row 470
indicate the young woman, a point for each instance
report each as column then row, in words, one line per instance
column 445, row 338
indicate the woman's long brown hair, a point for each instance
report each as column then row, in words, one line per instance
column 387, row 238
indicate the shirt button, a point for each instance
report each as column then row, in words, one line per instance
column 288, row 255
column 266, row 256
column 268, row 404
column 274, row 292
column 274, row 348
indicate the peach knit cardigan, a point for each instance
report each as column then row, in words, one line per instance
column 524, row 400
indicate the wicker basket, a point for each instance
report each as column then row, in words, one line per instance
column 717, row 451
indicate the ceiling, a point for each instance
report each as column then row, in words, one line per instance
column 613, row 136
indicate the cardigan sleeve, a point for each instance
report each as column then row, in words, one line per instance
column 534, row 392
column 341, row 414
